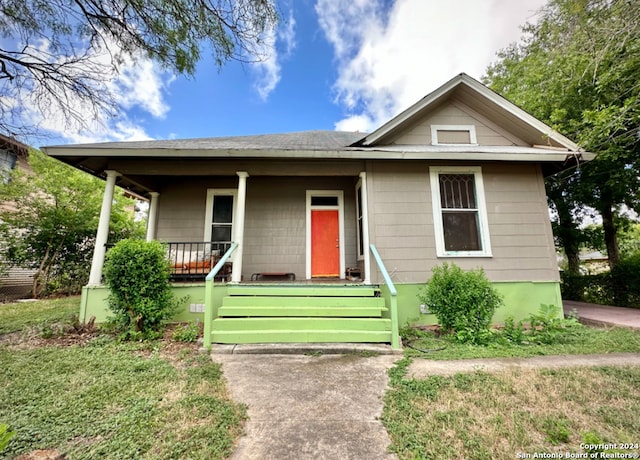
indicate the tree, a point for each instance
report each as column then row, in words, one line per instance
column 59, row 55
column 49, row 222
column 578, row 69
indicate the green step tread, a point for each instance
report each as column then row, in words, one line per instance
column 300, row 310
column 294, row 324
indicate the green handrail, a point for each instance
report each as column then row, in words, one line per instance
column 393, row 307
column 208, row 295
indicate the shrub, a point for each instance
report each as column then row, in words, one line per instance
column 137, row 274
column 463, row 301
column 5, row 436
column 549, row 326
column 512, row 331
column 625, row 279
column 187, row 332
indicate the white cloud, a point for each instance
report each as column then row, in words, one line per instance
column 389, row 58
column 269, row 70
column 137, row 83
column 141, row 83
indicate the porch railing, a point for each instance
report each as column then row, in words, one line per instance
column 208, row 295
column 193, row 260
column 393, row 302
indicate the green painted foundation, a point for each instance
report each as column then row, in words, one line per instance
column 520, row 300
column 94, row 302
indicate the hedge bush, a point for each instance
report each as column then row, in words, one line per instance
column 620, row 286
column 463, row 301
column 137, row 274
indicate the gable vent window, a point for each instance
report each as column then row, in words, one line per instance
column 453, row 135
column 460, row 216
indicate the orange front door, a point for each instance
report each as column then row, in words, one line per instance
column 325, row 243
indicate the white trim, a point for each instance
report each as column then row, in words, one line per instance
column 102, row 234
column 470, row 128
column 365, row 227
column 446, row 89
column 152, row 218
column 483, row 223
column 358, row 217
column 208, row 216
column 237, row 226
column 340, row 195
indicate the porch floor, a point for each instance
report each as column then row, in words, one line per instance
column 313, row 281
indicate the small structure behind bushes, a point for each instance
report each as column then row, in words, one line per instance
column 619, row 287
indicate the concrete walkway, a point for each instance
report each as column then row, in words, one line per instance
column 603, row 315
column 310, row 407
column 422, row 368
column 328, row 406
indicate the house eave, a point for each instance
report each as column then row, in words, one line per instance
column 489, row 95
column 477, row 153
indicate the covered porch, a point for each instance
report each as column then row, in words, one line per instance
column 288, row 227
column 285, row 257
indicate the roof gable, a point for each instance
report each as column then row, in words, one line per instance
column 475, row 98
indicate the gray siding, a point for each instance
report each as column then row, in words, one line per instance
column 487, row 133
column 401, row 222
column 275, row 219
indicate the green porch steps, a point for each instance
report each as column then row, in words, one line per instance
column 290, row 313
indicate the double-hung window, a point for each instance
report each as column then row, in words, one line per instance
column 460, row 216
column 219, row 218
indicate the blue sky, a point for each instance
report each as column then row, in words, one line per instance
column 347, row 65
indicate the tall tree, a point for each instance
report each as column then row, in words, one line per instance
column 578, row 69
column 48, row 222
column 58, row 55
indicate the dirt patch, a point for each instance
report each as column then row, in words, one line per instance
column 46, row 454
column 70, row 335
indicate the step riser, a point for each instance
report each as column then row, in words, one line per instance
column 294, row 324
column 286, row 301
column 301, row 337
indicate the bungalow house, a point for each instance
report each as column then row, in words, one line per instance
column 327, row 236
column 15, row 282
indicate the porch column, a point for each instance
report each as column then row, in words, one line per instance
column 153, row 216
column 238, row 237
column 103, row 229
column 365, row 228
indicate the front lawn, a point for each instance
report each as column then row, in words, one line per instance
column 108, row 400
column 15, row 317
column 514, row 412
column 579, row 340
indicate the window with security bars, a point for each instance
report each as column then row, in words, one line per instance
column 460, row 218
column 459, row 212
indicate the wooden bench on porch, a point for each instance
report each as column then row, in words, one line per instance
column 273, row 276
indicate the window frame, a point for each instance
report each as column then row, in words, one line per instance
column 208, row 221
column 360, row 222
column 473, row 140
column 481, row 209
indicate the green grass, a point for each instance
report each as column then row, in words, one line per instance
column 497, row 415
column 16, row 317
column 580, row 340
column 109, row 400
